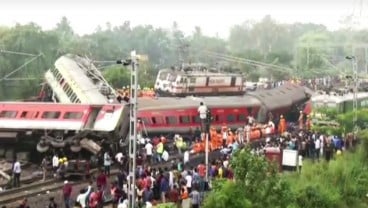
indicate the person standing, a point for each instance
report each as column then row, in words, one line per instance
column 55, row 163
column 149, row 152
column 107, row 163
column 16, row 173
column 202, row 110
column 67, row 192
column 300, row 162
column 195, row 198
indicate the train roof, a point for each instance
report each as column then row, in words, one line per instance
column 284, row 95
column 325, row 98
column 200, row 73
column 190, row 102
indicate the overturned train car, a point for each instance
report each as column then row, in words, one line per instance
column 59, row 125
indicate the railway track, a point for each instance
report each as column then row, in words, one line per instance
column 43, row 187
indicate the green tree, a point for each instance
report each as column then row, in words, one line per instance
column 257, row 184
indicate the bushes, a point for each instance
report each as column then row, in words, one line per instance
column 341, row 183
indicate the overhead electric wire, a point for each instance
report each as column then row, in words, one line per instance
column 248, row 61
column 17, row 53
column 20, row 67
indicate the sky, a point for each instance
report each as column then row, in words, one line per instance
column 215, row 17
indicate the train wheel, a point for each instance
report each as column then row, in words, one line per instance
column 57, row 143
column 75, row 148
column 42, row 147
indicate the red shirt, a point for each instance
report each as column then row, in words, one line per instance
column 101, row 180
column 67, row 190
column 201, row 170
column 173, row 195
column 93, row 200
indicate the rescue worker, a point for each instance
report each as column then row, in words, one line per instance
column 224, row 133
column 282, row 125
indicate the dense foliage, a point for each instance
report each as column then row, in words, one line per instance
column 307, row 50
column 257, row 184
column 341, row 183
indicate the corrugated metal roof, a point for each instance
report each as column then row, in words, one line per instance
column 282, row 96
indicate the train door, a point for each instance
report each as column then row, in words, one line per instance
column 191, row 85
column 233, row 81
column 92, row 117
column 184, row 84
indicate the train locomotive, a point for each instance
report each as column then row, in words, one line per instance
column 197, row 80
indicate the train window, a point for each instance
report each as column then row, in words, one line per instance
column 217, row 118
column 196, row 119
column 29, row 114
column 157, row 120
column 8, row 114
column 66, row 86
column 145, row 121
column 193, row 80
column 73, row 115
column 250, row 110
column 184, row 119
column 242, row 117
column 51, row 114
column 171, row 120
column 231, row 118
column 74, row 97
column 220, row 118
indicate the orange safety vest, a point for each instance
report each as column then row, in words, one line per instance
column 282, row 126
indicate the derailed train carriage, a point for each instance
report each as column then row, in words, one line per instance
column 60, row 125
column 166, row 115
column 86, row 125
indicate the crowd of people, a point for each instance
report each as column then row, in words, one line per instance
column 162, row 176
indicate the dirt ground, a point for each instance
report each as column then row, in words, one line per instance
column 42, row 200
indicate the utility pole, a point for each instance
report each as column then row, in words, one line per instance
column 355, row 93
column 133, row 104
column 208, row 126
column 133, row 129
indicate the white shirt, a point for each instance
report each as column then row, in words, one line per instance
column 188, row 178
column 165, row 155
column 55, row 161
column 317, row 144
column 171, row 179
column 17, row 168
column 148, row 148
column 186, row 157
column 107, row 159
column 81, row 199
column 148, row 205
column 225, row 163
column 119, row 156
column 202, row 110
